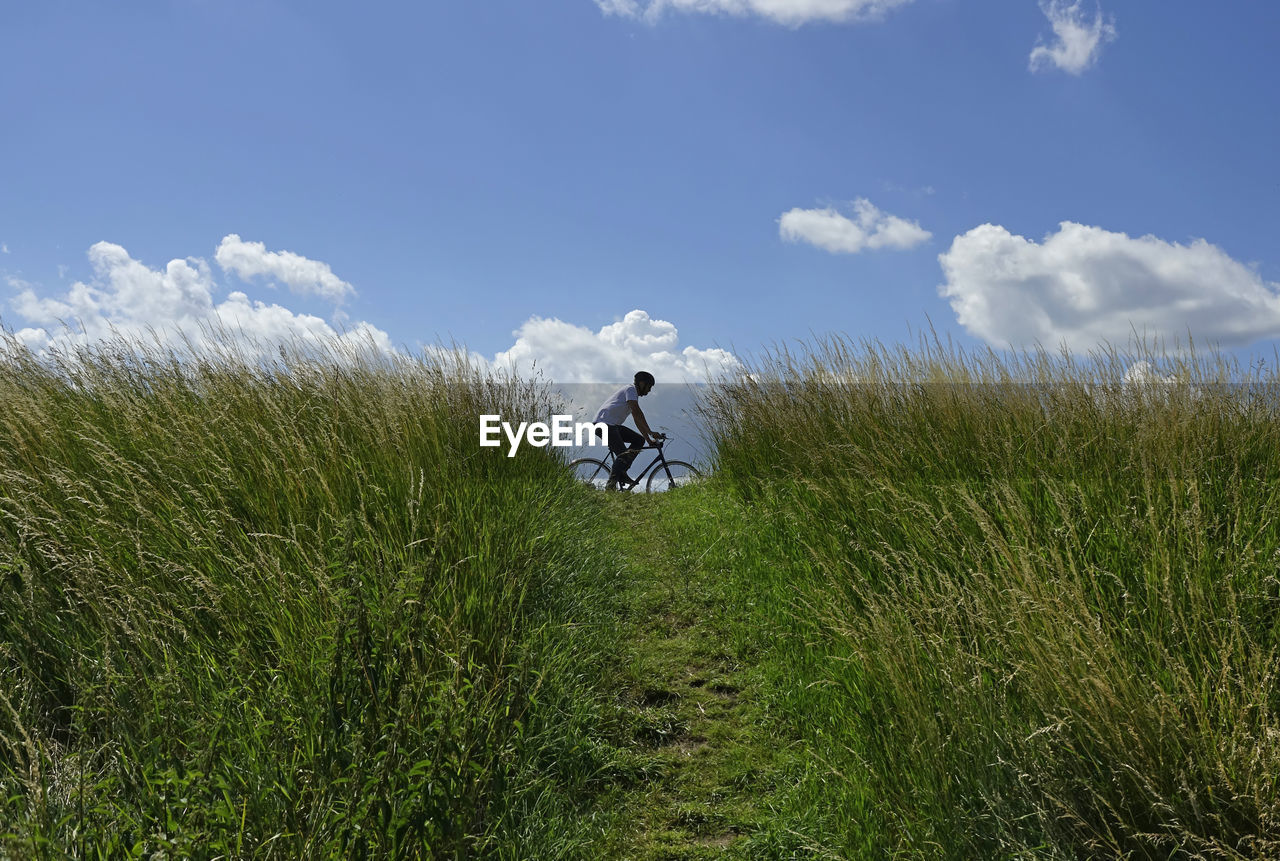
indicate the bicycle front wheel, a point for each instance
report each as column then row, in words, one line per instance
column 590, row 471
column 672, row 474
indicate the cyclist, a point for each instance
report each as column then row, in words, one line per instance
column 623, row 441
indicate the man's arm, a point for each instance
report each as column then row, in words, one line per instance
column 641, row 424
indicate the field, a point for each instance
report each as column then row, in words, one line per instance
column 286, row 610
column 1030, row 604
column 932, row 605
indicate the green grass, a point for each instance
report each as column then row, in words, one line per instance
column 1033, row 608
column 288, row 610
column 707, row 755
column 932, row 604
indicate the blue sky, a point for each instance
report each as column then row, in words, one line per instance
column 597, row 184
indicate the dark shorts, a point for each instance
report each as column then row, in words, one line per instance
column 624, row 443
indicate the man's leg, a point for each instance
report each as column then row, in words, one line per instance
column 625, row 445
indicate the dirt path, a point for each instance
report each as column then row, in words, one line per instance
column 700, row 736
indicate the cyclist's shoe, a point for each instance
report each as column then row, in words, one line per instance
column 624, row 483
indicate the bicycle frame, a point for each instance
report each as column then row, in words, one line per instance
column 677, row 473
column 659, row 458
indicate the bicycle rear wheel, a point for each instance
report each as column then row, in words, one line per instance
column 672, row 474
column 590, row 471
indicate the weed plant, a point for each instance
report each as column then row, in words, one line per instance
column 287, row 608
column 1026, row 606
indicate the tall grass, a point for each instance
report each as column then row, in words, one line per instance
column 1030, row 603
column 288, row 609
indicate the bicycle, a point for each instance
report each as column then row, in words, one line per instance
column 662, row 474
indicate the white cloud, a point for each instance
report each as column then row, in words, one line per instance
column 1144, row 375
column 1083, row 286
column 302, row 275
column 173, row 305
column 623, row 8
column 789, row 12
column 566, row 353
column 1077, row 42
column 4, row 248
column 869, row 228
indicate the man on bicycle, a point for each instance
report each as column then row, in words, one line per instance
column 623, row 441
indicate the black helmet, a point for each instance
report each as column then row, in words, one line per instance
column 644, row 377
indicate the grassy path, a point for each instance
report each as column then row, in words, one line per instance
column 706, row 753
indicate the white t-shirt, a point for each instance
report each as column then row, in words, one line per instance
column 615, row 410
